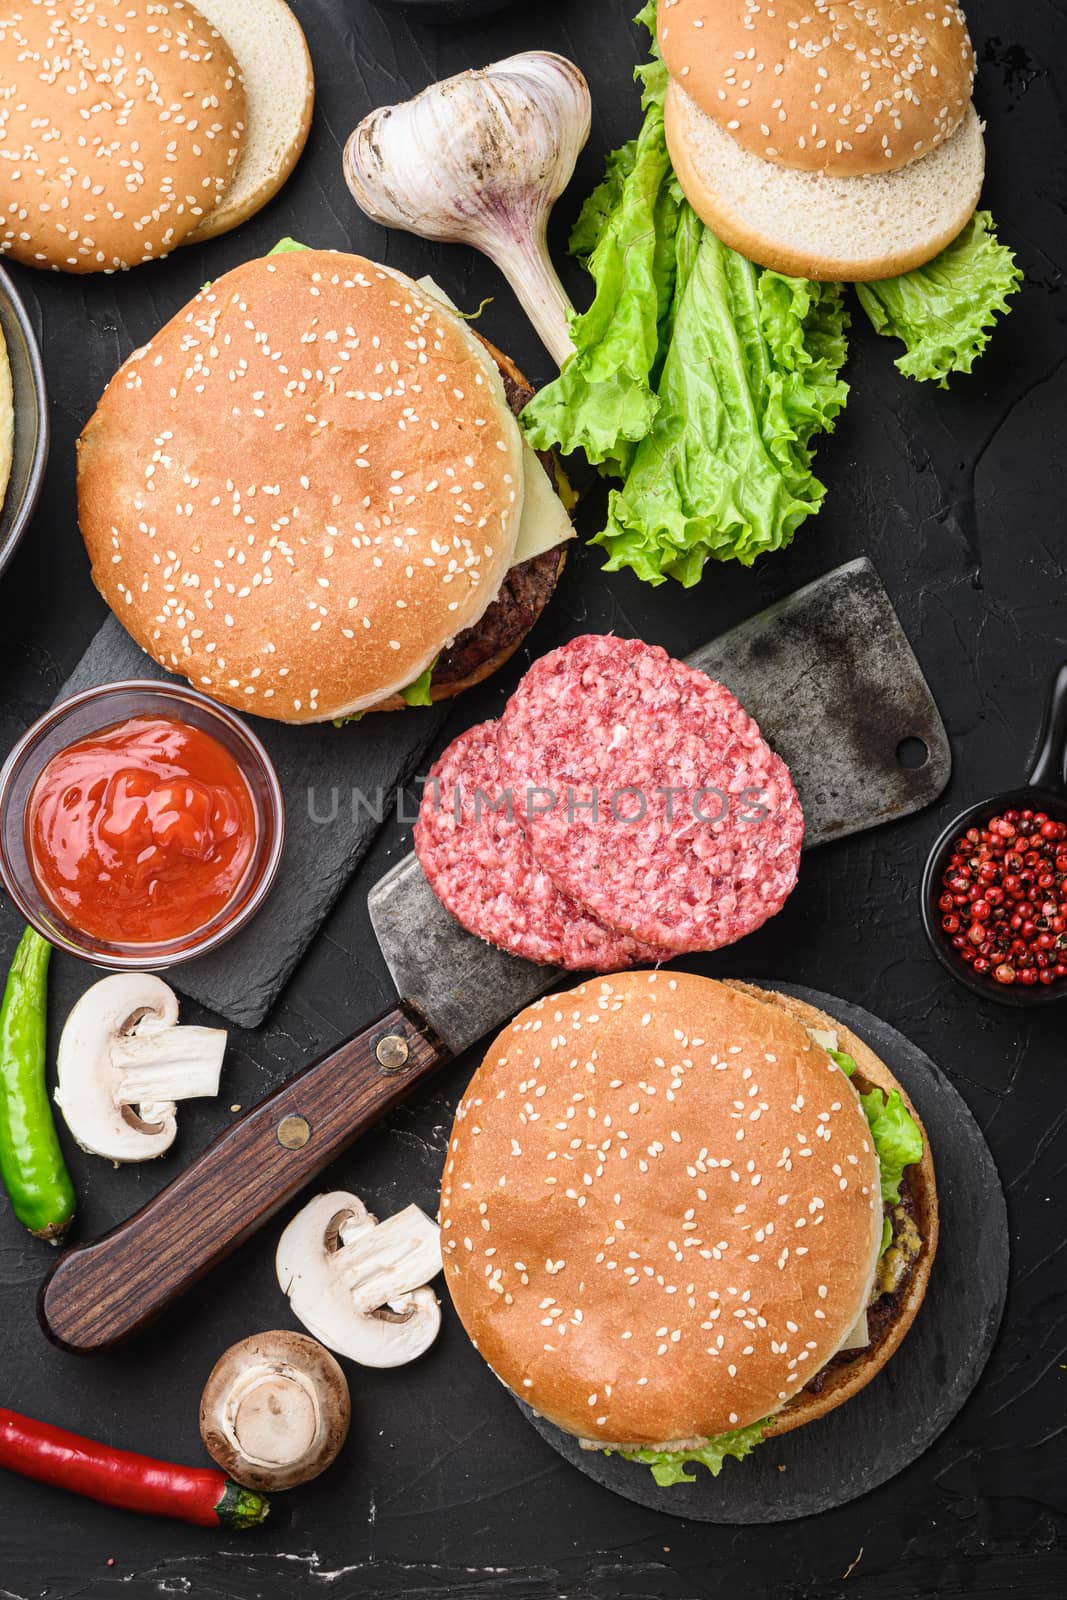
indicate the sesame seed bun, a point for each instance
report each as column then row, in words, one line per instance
column 121, row 125
column 813, row 224
column 279, row 82
column 844, row 87
column 303, row 487
column 847, row 1377
column 478, row 652
column 660, row 1210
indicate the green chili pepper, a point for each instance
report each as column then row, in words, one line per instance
column 31, row 1161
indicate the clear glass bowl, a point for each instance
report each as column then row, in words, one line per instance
column 91, row 712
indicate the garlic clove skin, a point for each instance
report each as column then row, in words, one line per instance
column 481, row 159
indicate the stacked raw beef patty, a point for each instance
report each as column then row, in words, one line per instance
column 624, row 809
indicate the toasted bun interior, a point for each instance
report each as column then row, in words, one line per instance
column 660, row 1209
column 121, row 124
column 272, row 53
column 851, row 88
column 813, row 225
column 303, row 487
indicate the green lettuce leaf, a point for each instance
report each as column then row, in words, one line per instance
column 603, row 400
column 698, row 378
column 285, row 246
column 897, row 1140
column 751, row 375
column 418, row 693
column 605, row 199
column 668, row 1466
column 943, row 311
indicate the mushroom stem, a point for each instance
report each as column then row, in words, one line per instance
column 384, row 1263
column 168, row 1064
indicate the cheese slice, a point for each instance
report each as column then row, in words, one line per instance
column 860, row 1337
column 545, row 523
column 827, row 1037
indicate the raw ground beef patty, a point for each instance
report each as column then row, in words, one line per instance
column 481, row 870
column 695, row 840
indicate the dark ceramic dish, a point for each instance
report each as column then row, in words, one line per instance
column 1045, row 791
column 31, row 420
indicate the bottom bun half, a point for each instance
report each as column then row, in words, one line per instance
column 808, row 225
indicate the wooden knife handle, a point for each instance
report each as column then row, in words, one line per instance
column 100, row 1293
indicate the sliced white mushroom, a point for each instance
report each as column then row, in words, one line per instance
column 275, row 1410
column 359, row 1285
column 124, row 1062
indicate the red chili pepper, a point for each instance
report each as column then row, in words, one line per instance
column 121, row 1478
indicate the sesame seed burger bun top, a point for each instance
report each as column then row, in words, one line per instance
column 660, row 1209
column 842, row 1382
column 121, row 124
column 846, row 87
column 303, row 487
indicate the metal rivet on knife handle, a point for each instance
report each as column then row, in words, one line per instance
column 392, row 1052
column 294, row 1132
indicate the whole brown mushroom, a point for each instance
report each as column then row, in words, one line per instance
column 275, row 1411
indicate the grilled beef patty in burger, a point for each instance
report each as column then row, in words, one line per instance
column 310, row 487
column 664, row 1214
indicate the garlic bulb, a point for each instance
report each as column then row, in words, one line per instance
column 481, row 159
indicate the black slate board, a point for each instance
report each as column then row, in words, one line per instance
column 319, row 767
column 899, row 1415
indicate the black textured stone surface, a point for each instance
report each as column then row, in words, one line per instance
column 444, row 1489
column 889, row 1425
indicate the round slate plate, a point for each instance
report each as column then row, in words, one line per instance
column 31, row 420
column 899, row 1415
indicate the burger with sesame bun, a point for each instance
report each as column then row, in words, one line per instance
column 309, row 495
column 681, row 1216
column 824, row 138
column 787, row 149
column 128, row 127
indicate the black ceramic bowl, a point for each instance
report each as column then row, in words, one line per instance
column 444, row 10
column 31, row 420
column 1046, row 791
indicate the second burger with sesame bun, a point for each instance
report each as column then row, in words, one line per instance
column 827, row 140
column 309, row 495
column 680, row 1216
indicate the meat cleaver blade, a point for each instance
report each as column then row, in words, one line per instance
column 829, row 675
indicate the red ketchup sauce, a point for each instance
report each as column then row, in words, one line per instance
column 141, row 833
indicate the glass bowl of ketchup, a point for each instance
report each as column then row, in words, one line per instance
column 141, row 824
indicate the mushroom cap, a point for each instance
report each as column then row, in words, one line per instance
column 275, row 1410
column 88, row 1080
